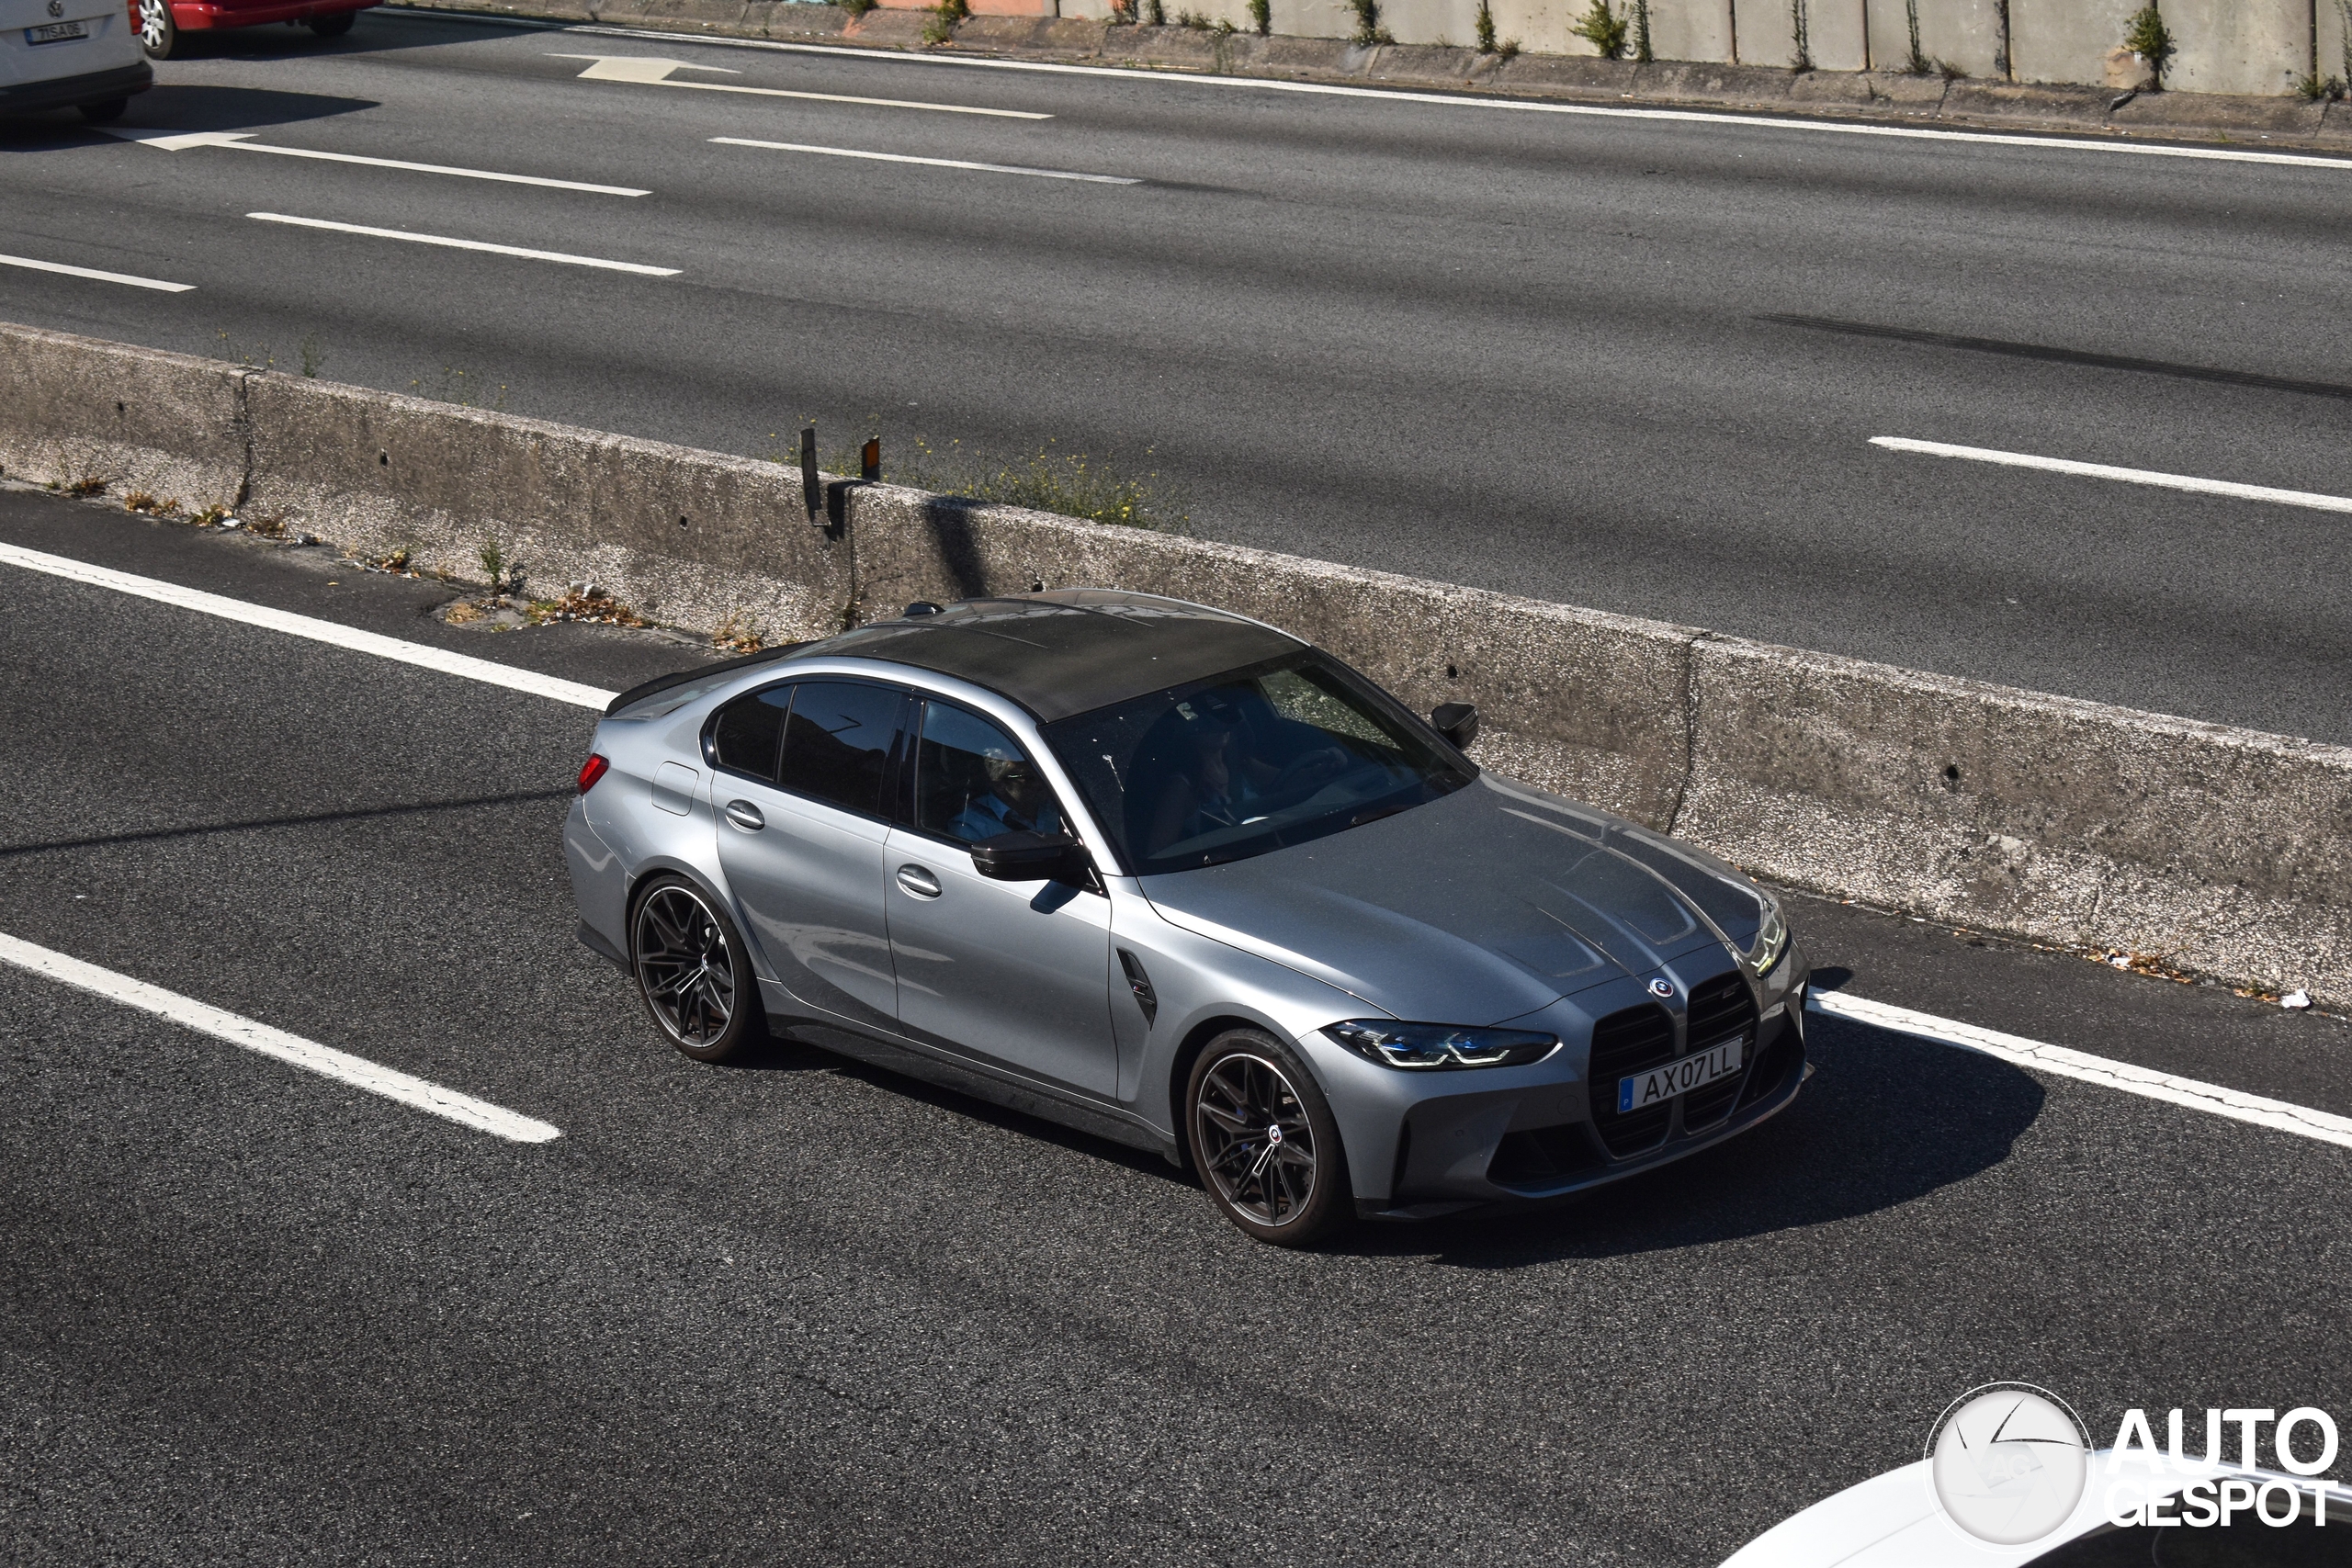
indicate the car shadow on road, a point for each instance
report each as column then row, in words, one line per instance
column 178, row 107
column 775, row 1055
column 1885, row 1118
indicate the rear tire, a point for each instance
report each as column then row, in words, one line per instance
column 333, row 25
column 106, row 113
column 158, row 34
column 693, row 974
column 1264, row 1142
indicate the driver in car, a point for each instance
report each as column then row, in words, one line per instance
column 1017, row 801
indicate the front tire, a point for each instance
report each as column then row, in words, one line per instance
column 158, row 34
column 333, row 25
column 1264, row 1142
column 692, row 972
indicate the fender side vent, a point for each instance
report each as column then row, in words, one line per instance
column 1140, row 984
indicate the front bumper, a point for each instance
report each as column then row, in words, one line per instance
column 1533, row 1137
column 72, row 91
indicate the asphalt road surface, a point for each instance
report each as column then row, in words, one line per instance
column 1633, row 364
column 809, row 1313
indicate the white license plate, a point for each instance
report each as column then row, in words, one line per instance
column 56, row 32
column 1695, row 1071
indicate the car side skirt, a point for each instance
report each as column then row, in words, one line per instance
column 912, row 1060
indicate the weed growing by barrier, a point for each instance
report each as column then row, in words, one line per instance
column 1606, row 30
column 2147, row 36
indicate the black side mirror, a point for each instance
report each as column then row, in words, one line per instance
column 1033, row 857
column 1458, row 722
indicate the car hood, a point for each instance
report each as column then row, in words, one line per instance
column 1486, row 904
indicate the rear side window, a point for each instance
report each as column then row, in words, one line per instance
column 837, row 742
column 745, row 736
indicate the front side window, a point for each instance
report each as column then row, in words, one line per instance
column 1245, row 763
column 973, row 782
column 837, row 742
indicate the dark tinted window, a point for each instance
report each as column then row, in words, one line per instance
column 972, row 782
column 745, row 735
column 837, row 742
column 1278, row 753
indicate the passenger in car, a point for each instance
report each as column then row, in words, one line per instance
column 1214, row 782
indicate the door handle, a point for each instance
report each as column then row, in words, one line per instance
column 919, row 882
column 746, row 815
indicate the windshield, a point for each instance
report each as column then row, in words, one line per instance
column 1233, row 766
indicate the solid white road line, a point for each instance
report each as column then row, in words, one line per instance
column 2129, row 476
column 554, row 688
column 2061, row 1062
column 646, row 71
column 154, row 283
column 564, row 257
column 933, row 162
column 1441, row 100
column 241, row 141
column 292, row 1049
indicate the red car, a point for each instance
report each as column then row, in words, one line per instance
column 161, row 22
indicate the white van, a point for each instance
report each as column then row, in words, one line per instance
column 64, row 54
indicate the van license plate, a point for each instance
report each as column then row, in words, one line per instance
column 1695, row 1071
column 56, row 32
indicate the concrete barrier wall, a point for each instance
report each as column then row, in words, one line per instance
column 2227, row 46
column 2223, row 850
column 81, row 408
column 2235, row 47
column 694, row 536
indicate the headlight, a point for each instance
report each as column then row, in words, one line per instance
column 1426, row 1046
column 1772, row 938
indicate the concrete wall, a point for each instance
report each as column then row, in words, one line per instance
column 2239, row 45
column 2223, row 850
column 1963, row 33
column 2227, row 46
column 2067, row 41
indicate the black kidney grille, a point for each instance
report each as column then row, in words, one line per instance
column 1720, row 1008
column 1629, row 1041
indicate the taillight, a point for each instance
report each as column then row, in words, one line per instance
column 590, row 772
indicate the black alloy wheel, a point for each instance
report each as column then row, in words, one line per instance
column 691, row 972
column 1264, row 1142
column 158, row 34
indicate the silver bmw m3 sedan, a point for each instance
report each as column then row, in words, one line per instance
column 1172, row 876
